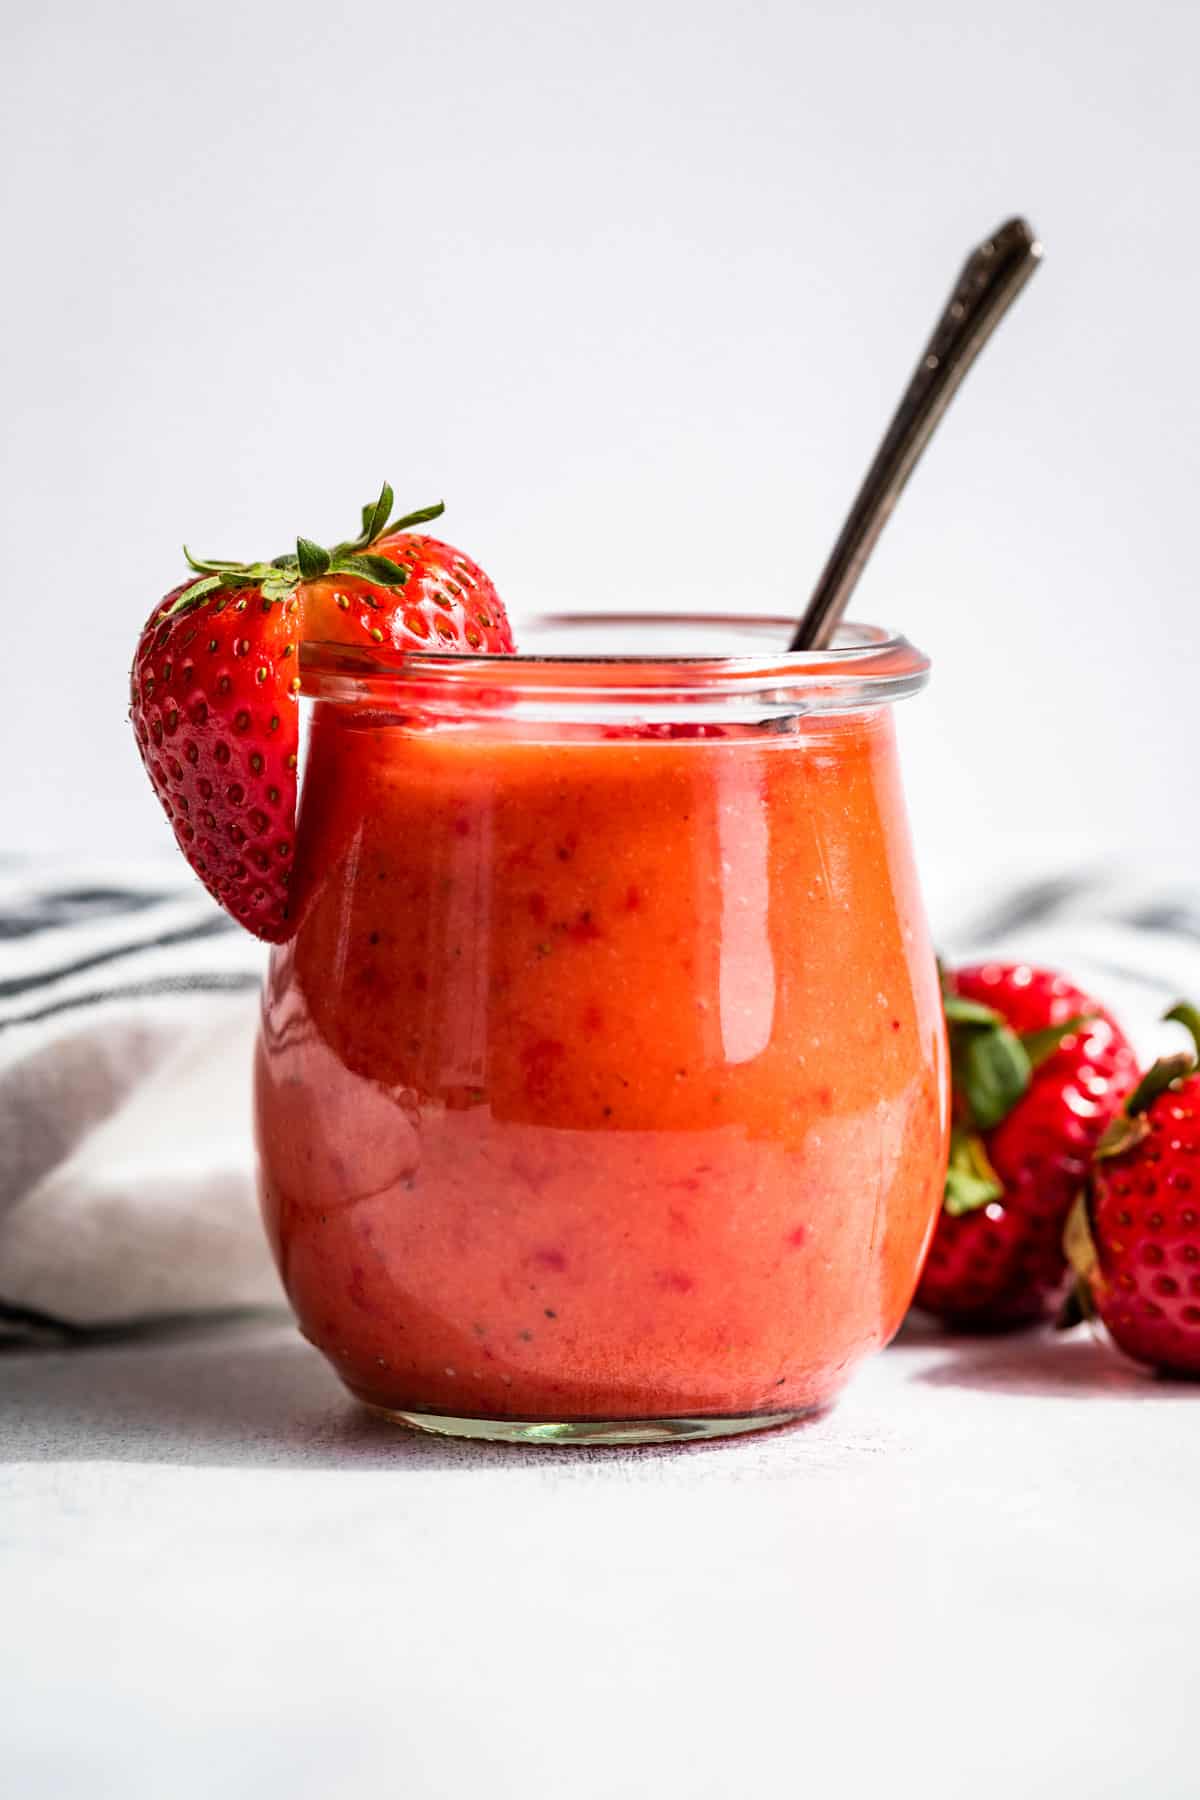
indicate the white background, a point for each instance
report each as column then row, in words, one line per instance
column 634, row 287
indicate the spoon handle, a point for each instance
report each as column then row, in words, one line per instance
column 992, row 277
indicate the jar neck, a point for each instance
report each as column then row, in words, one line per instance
column 671, row 671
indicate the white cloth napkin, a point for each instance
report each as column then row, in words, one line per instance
column 128, row 1004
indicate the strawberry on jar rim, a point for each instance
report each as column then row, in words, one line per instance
column 1133, row 1236
column 1038, row 1068
column 215, row 684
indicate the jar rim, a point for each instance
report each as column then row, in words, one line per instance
column 748, row 669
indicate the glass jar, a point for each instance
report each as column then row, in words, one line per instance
column 601, row 1089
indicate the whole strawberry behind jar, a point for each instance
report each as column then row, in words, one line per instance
column 1038, row 1069
column 1133, row 1235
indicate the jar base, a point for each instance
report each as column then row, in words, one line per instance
column 568, row 1432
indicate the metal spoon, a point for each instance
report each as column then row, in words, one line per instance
column 992, row 277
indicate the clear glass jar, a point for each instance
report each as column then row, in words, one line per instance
column 601, row 1089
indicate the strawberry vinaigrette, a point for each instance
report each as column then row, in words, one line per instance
column 601, row 1088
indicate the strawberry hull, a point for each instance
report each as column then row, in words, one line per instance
column 999, row 1264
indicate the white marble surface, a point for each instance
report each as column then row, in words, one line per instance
column 977, row 1576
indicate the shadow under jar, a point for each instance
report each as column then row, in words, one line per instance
column 601, row 1090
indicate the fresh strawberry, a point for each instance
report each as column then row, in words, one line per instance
column 215, row 684
column 1133, row 1236
column 1038, row 1070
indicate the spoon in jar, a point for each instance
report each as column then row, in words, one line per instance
column 991, row 278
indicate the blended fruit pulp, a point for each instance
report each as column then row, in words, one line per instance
column 604, row 1077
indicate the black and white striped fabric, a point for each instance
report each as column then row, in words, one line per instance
column 127, row 1012
column 127, row 1008
column 93, row 937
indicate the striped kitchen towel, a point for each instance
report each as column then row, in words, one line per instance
column 127, row 1013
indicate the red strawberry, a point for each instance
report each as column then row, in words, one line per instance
column 1133, row 1237
column 1038, row 1068
column 215, row 683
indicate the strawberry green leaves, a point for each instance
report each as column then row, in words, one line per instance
column 229, row 576
column 1079, row 1248
column 992, row 1066
column 378, row 569
column 1185, row 1014
column 971, row 1181
column 375, row 515
column 1130, row 1127
column 1039, row 1046
column 192, row 595
column 312, row 561
column 992, row 1069
column 277, row 583
column 1123, row 1133
column 422, row 516
column 1168, row 1069
column 210, row 565
column 1157, row 1079
column 967, row 1012
column 377, row 522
